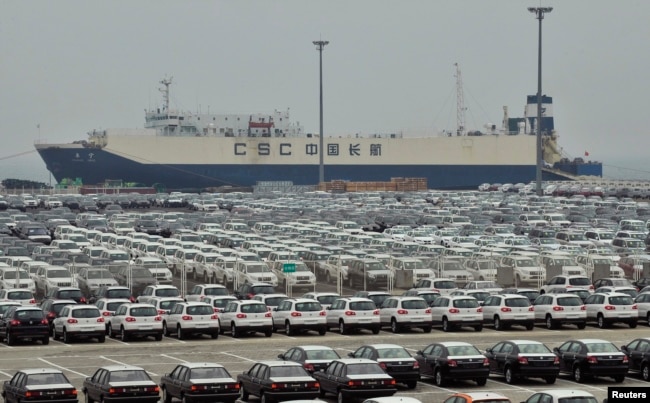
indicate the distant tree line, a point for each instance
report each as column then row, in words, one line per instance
column 23, row 184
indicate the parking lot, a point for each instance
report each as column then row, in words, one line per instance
column 83, row 358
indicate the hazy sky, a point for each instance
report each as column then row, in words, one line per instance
column 76, row 65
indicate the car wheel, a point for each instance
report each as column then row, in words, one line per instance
column 601, row 321
column 549, row 322
column 264, row 399
column 340, row 398
column 411, row 384
column 194, row 276
column 287, row 328
column 123, row 336
column 481, row 381
column 510, row 377
column 179, row 333
column 350, row 281
column 214, row 335
column 55, row 335
column 342, row 328
column 322, row 331
column 45, row 340
column 530, row 326
column 243, row 394
column 518, row 280
column 497, row 323
column 375, row 330
column 166, row 396
column 478, row 328
column 233, row 329
column 632, row 325
column 11, row 340
column 158, row 336
column 66, row 337
column 101, row 339
column 268, row 332
column 110, row 331
column 577, row 374
column 165, row 330
column 88, row 399
column 427, row 329
column 645, row 372
column 224, row 281
column 393, row 326
column 205, row 277
column 438, row 378
column 550, row 380
column 619, row 378
column 582, row 325
column 446, row 327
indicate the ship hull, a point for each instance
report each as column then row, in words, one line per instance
column 182, row 163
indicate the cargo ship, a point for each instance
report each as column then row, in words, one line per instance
column 183, row 150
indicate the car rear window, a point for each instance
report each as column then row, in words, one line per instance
column 29, row 314
column 579, row 281
column 393, row 353
column 327, row 299
column 364, row 369
column 167, row 292
column 254, row 308
column 264, row 289
column 209, row 373
column 144, row 311
column 216, row 291
column 112, row 306
column 444, row 284
column 199, row 310
column 533, row 349
column 414, row 304
column 308, row 306
column 517, row 302
column 601, row 348
column 70, row 294
column 274, row 301
column 465, row 303
column 19, row 295
column 46, row 379
column 569, row 301
column 85, row 313
column 128, row 375
column 363, row 306
column 321, row 355
column 287, row 372
column 621, row 300
column 463, row 350
column 118, row 294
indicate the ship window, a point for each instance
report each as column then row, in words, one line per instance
column 237, row 119
column 213, row 118
column 226, row 118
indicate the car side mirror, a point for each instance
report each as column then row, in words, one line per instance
column 556, row 350
column 488, row 350
column 624, row 348
column 351, row 355
column 281, row 356
column 419, row 352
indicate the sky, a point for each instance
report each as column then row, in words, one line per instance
column 70, row 66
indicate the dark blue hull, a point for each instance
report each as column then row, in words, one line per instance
column 64, row 163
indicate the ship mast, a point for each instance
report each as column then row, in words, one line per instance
column 460, row 103
column 165, row 91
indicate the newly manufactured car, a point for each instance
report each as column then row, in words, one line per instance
column 39, row 385
column 353, row 378
column 394, row 359
column 199, row 382
column 585, row 358
column 312, row 358
column 447, row 361
column 277, row 380
column 517, row 359
column 121, row 383
column 191, row 318
column 79, row 321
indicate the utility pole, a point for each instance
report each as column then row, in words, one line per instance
column 321, row 167
column 539, row 14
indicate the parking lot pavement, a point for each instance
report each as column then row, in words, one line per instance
column 81, row 359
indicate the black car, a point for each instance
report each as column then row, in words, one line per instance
column 24, row 322
column 39, row 385
column 312, row 358
column 261, row 381
column 52, row 307
column 112, row 291
column 587, row 358
column 120, row 383
column 199, row 382
column 140, row 278
column 350, row 378
column 453, row 360
column 378, row 297
column 72, row 293
column 516, row 359
column 249, row 290
column 394, row 359
column 638, row 355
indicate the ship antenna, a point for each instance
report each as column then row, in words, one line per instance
column 460, row 103
column 165, row 91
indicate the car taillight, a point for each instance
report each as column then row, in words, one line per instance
column 558, row 308
column 322, row 313
column 100, row 319
column 375, row 312
column 186, row 317
column 350, row 313
column 31, row 393
column 522, row 360
column 610, row 308
column 106, row 313
column 452, row 363
column 199, row 387
column 486, row 362
column 216, row 310
column 152, row 389
column 382, row 365
column 625, row 359
column 454, row 310
column 161, row 312
column 295, row 314
column 355, row 383
column 556, row 361
column 635, row 306
column 214, row 317
column 129, row 319
column 308, row 367
column 158, row 318
column 14, row 322
column 250, row 296
column 202, row 297
column 479, row 309
column 132, row 299
column 268, row 315
column 591, row 287
column 44, row 322
column 82, row 300
column 428, row 310
column 416, row 365
column 592, row 360
column 32, row 301
column 51, row 315
column 402, row 312
column 241, row 315
column 505, row 309
column 72, row 320
column 531, row 308
column 583, row 307
column 435, row 290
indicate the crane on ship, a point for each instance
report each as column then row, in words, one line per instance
column 460, row 103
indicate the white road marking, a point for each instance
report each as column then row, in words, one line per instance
column 173, row 358
column 62, row 368
column 237, row 356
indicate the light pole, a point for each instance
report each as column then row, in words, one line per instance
column 539, row 14
column 321, row 167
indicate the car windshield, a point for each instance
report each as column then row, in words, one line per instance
column 569, row 301
column 525, row 263
column 141, row 273
column 120, row 293
column 19, row 295
column 200, row 310
column 287, row 372
column 209, row 373
column 393, row 353
column 86, row 313
column 364, row 369
column 99, row 274
column 601, row 348
column 46, row 379
column 58, row 273
column 517, row 302
column 11, row 274
column 258, row 268
column 581, row 399
column 448, row 284
column 143, row 311
column 533, row 349
column 321, row 354
column 465, row 303
column 129, row 376
column 375, row 266
column 463, row 350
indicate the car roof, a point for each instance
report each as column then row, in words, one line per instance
column 454, row 343
column 520, row 341
column 356, row 361
column 562, row 393
column 482, row 396
column 201, row 365
column 121, row 367
column 279, row 363
column 383, row 345
column 31, row 371
column 314, row 347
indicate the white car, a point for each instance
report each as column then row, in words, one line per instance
column 200, row 291
column 135, row 320
column 558, row 309
column 643, row 306
column 453, row 311
column 12, row 277
column 219, row 302
column 79, row 321
column 254, row 272
column 164, row 304
column 53, row 276
column 353, row 313
column 190, row 318
column 296, row 314
column 608, row 308
column 562, row 395
column 300, row 276
column 240, row 317
column 152, row 291
column 567, row 282
column 405, row 312
column 20, row 295
column 324, row 298
column 157, row 267
column 506, row 310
